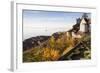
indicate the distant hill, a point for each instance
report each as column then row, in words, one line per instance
column 33, row 42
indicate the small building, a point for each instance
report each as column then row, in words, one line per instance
column 85, row 24
column 82, row 26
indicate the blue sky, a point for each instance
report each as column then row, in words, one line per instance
column 53, row 19
column 51, row 16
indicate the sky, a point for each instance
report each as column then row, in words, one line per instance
column 37, row 22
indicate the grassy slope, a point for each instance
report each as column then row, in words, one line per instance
column 81, row 51
column 52, row 49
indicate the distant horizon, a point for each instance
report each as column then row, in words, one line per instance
column 36, row 22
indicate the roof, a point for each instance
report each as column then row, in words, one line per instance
column 86, row 21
